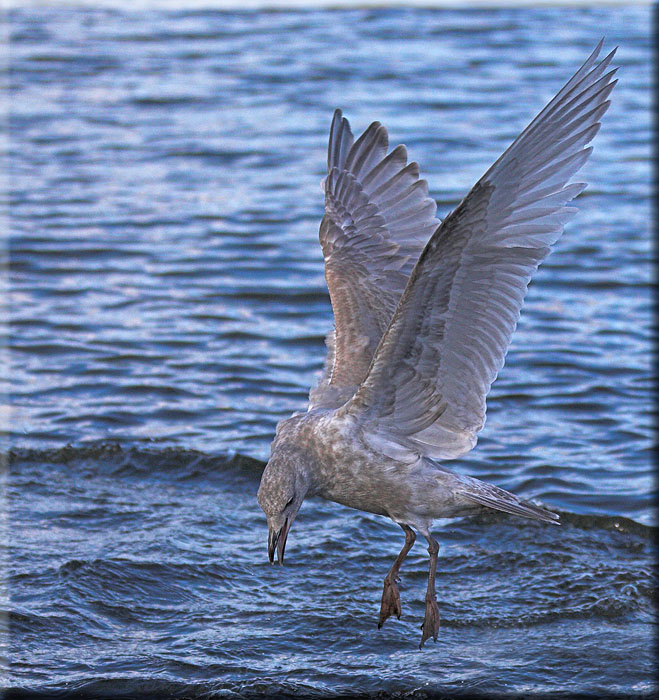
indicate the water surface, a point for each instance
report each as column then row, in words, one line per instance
column 168, row 307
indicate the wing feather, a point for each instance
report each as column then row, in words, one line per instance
column 378, row 216
column 426, row 387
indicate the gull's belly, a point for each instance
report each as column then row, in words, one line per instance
column 353, row 473
column 405, row 493
column 363, row 480
column 379, row 495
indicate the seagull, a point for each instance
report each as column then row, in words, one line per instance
column 424, row 311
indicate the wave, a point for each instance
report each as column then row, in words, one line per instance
column 184, row 464
column 119, row 460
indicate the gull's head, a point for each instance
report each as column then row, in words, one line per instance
column 284, row 485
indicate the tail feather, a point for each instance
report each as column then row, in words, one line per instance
column 494, row 497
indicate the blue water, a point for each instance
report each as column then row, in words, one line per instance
column 168, row 307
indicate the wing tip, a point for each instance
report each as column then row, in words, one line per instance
column 596, row 52
column 340, row 140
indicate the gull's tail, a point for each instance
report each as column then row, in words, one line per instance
column 493, row 497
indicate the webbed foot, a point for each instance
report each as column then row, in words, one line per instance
column 430, row 626
column 390, row 601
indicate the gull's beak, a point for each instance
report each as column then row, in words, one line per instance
column 277, row 540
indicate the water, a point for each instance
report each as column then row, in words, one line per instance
column 168, row 307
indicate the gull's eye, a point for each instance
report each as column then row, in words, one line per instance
column 290, row 500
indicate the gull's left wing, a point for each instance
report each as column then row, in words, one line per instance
column 426, row 387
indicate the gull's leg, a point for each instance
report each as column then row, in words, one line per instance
column 390, row 597
column 430, row 626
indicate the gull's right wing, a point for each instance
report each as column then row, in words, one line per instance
column 426, row 388
column 378, row 217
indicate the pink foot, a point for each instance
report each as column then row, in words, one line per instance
column 430, row 626
column 390, row 601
